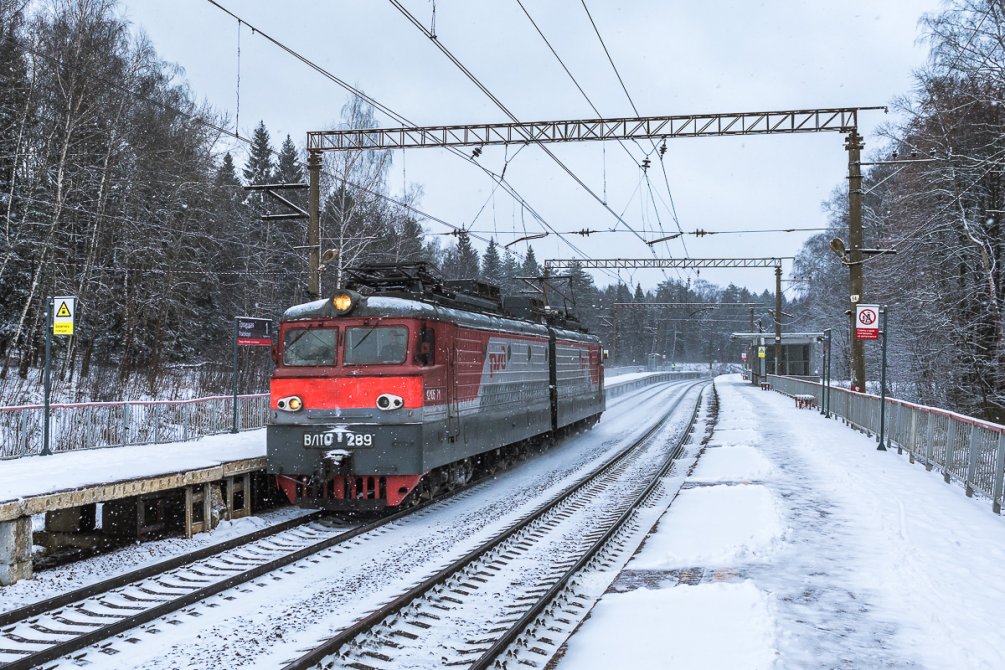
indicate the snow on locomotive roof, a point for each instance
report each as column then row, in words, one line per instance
column 307, row 310
column 386, row 306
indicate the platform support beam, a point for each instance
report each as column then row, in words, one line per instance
column 15, row 550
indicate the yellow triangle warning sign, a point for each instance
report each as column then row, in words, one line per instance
column 63, row 311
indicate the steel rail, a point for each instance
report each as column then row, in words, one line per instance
column 649, row 392
column 371, row 620
column 63, row 599
column 19, row 615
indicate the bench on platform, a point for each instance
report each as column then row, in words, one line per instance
column 765, row 386
column 805, row 401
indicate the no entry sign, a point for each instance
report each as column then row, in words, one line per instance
column 866, row 322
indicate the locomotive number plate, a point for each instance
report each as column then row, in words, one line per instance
column 338, row 436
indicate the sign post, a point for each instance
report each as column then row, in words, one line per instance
column 827, row 378
column 882, row 385
column 58, row 323
column 249, row 332
column 46, row 375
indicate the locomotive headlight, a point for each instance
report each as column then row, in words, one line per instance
column 291, row 403
column 387, row 401
column 343, row 302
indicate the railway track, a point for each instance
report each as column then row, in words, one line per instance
column 504, row 601
column 58, row 627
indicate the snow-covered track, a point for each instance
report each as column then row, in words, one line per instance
column 495, row 575
column 59, row 626
column 70, row 597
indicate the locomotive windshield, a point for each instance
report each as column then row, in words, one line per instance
column 309, row 346
column 384, row 344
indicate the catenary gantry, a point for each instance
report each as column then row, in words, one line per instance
column 842, row 119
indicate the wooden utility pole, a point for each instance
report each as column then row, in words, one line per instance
column 314, row 226
column 854, row 146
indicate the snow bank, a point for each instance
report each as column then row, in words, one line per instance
column 682, row 627
column 733, row 464
column 714, row 526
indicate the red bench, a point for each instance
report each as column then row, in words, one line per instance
column 805, row 401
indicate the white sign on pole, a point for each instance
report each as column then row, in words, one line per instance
column 62, row 315
column 866, row 322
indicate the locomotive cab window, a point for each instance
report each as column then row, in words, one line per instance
column 378, row 345
column 309, row 346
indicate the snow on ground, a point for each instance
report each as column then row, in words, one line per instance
column 738, row 463
column 747, row 527
column 269, row 622
column 658, row 628
column 835, row 556
column 36, row 475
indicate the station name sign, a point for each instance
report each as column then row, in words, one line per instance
column 254, row 332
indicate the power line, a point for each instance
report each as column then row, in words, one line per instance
column 610, row 60
column 507, row 112
column 631, row 101
column 499, row 179
column 643, row 166
column 569, row 73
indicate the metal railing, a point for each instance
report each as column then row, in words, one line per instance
column 962, row 448
column 95, row 425
column 620, row 388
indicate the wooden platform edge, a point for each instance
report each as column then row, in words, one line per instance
column 47, row 502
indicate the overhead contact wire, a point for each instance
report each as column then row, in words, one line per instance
column 510, row 114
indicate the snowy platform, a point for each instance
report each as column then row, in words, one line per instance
column 67, row 483
column 794, row 543
column 36, row 484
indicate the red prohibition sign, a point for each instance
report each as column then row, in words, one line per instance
column 867, row 317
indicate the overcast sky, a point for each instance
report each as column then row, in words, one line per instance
column 675, row 56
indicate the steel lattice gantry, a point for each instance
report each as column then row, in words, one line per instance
column 837, row 119
column 685, row 263
column 841, row 119
column 661, row 263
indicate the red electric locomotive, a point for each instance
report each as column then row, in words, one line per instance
column 404, row 385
